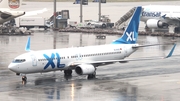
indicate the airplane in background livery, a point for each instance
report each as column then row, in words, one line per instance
column 161, row 17
column 9, row 9
column 83, row 60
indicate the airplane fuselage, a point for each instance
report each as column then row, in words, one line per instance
column 166, row 13
column 61, row 59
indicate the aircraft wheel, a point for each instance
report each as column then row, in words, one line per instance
column 24, row 80
column 91, row 76
column 67, row 72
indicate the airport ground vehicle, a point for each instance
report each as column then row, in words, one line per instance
column 91, row 24
column 32, row 22
column 105, row 22
column 97, row 24
column 84, row 25
column 10, row 28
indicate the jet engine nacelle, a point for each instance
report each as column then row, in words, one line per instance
column 85, row 69
column 154, row 23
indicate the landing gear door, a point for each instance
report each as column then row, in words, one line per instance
column 34, row 60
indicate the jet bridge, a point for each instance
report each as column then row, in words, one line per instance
column 121, row 23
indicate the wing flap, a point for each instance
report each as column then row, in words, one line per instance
column 138, row 46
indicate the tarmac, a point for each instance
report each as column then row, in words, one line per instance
column 143, row 80
column 149, row 80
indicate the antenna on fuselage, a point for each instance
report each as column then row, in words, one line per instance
column 27, row 48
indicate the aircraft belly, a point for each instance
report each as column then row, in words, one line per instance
column 57, row 66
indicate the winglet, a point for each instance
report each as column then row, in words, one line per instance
column 171, row 52
column 27, row 48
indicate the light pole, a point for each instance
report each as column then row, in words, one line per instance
column 99, row 10
column 81, row 11
column 54, row 20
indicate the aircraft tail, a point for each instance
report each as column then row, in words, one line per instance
column 10, row 4
column 130, row 34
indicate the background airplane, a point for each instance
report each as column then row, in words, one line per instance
column 9, row 9
column 83, row 60
column 161, row 17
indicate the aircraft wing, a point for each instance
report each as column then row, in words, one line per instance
column 35, row 12
column 138, row 46
column 125, row 60
column 171, row 17
column 8, row 15
column 121, row 61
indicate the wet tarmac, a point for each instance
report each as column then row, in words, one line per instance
column 152, row 80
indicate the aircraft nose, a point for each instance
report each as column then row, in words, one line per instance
column 12, row 67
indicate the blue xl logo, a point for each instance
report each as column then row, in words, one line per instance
column 130, row 36
column 50, row 61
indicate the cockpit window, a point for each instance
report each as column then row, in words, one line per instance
column 19, row 60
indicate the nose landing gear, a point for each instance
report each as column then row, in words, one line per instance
column 24, row 80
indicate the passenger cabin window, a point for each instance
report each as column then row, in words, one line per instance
column 89, row 55
column 19, row 60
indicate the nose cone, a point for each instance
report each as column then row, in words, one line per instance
column 13, row 67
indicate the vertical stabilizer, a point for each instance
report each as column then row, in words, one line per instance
column 10, row 4
column 130, row 34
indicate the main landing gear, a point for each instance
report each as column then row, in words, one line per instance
column 91, row 76
column 67, row 74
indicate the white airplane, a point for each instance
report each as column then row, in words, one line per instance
column 9, row 10
column 83, row 60
column 161, row 16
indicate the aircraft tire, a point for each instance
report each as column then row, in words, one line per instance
column 67, row 72
column 91, row 76
column 24, row 78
